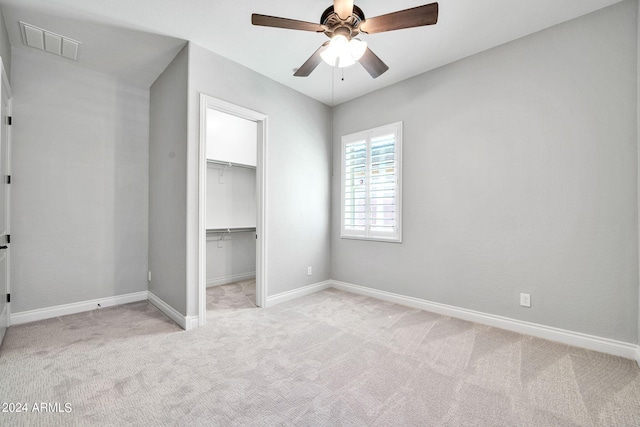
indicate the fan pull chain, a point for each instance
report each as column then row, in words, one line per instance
column 333, row 89
column 342, row 74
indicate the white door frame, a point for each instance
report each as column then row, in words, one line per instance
column 6, row 90
column 207, row 102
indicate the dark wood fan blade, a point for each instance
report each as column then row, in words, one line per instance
column 408, row 18
column 374, row 65
column 290, row 24
column 344, row 8
column 311, row 64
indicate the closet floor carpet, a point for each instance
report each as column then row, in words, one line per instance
column 232, row 296
column 328, row 359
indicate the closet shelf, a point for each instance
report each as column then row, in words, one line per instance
column 230, row 230
column 229, row 164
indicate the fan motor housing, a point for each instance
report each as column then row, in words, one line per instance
column 332, row 21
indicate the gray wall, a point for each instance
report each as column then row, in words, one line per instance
column 5, row 46
column 80, row 179
column 167, row 183
column 520, row 175
column 230, row 259
column 638, row 141
column 297, row 171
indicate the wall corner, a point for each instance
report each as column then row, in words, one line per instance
column 638, row 164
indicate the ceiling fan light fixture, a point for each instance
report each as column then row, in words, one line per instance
column 343, row 52
column 357, row 48
column 337, row 54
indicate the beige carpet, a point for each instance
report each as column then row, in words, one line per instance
column 328, row 359
column 234, row 296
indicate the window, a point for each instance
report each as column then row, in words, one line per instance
column 371, row 184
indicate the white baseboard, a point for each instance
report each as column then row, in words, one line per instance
column 77, row 307
column 604, row 345
column 185, row 322
column 191, row 322
column 577, row 339
column 231, row 279
column 297, row 293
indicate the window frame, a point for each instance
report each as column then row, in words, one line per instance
column 367, row 233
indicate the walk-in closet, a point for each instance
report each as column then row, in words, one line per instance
column 231, row 149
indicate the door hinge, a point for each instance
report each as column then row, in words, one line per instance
column 8, row 179
column 8, row 238
column 8, row 297
column 9, row 120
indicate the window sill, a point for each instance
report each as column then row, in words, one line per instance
column 373, row 239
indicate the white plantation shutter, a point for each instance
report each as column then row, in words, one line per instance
column 355, row 189
column 371, row 196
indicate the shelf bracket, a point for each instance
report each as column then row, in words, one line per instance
column 221, row 239
column 222, row 171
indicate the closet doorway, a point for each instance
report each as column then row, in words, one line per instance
column 232, row 202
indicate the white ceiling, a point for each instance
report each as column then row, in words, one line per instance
column 137, row 39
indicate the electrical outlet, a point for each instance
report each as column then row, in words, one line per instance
column 309, row 271
column 525, row 300
column 149, row 276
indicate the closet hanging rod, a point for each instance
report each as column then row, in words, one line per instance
column 229, row 164
column 230, row 230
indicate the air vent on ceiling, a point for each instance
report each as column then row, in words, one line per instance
column 48, row 41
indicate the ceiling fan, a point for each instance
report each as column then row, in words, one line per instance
column 342, row 22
